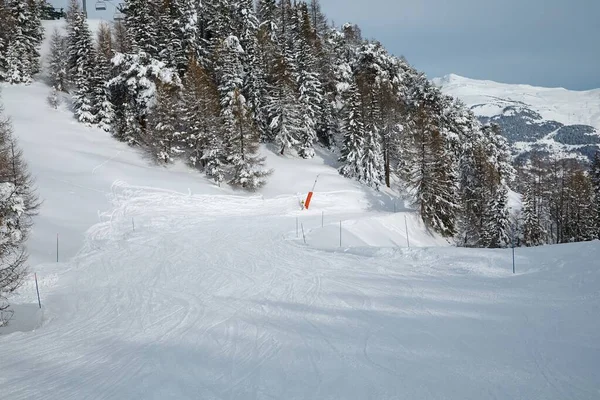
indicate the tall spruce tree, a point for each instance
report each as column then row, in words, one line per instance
column 57, row 62
column 102, row 106
column 309, row 85
column 81, row 57
column 164, row 136
column 532, row 231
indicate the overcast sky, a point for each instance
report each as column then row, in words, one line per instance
column 539, row 42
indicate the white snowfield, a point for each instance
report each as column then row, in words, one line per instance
column 171, row 288
column 489, row 98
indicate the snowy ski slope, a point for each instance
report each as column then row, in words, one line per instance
column 171, row 288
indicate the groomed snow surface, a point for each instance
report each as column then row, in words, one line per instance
column 171, row 288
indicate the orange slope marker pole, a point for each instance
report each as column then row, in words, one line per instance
column 310, row 194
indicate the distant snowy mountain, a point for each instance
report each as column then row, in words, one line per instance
column 555, row 120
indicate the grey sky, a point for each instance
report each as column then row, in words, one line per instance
column 539, row 42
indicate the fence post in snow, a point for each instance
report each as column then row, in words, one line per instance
column 296, row 227
column 132, row 223
column 303, row 237
column 57, row 247
column 406, row 228
column 340, row 233
column 37, row 289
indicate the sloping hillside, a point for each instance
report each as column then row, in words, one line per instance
column 171, row 287
column 555, row 120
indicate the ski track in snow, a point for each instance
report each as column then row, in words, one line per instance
column 194, row 304
column 182, row 290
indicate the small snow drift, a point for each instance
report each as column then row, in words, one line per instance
column 395, row 230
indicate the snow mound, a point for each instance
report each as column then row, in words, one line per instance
column 378, row 231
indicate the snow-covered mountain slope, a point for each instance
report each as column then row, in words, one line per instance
column 556, row 120
column 171, row 288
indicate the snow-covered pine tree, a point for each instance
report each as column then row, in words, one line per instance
column 185, row 40
column 309, row 85
column 532, row 231
column 266, row 12
column 81, row 63
column 18, row 60
column 164, row 137
column 142, row 26
column 102, row 105
column 595, row 178
column 264, row 76
column 53, row 98
column 497, row 226
column 352, row 152
column 242, row 149
column 34, row 31
column 201, row 122
column 284, row 109
column 230, row 77
column 57, row 61
column 6, row 30
column 429, row 166
column 134, row 93
column 580, row 219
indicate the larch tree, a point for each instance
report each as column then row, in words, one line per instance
column 18, row 205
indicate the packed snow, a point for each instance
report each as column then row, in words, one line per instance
column 170, row 287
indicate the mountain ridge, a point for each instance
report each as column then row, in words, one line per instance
column 553, row 120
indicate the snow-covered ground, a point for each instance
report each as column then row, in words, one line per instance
column 171, row 288
column 488, row 98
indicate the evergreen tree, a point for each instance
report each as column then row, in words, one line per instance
column 142, row 26
column 354, row 133
column 164, row 137
column 202, row 122
column 18, row 61
column 57, row 62
column 242, row 150
column 497, row 226
column 133, row 91
column 81, row 63
column 429, row 167
column 101, row 100
column 532, row 230
column 311, row 93
column 34, row 32
column 284, row 109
